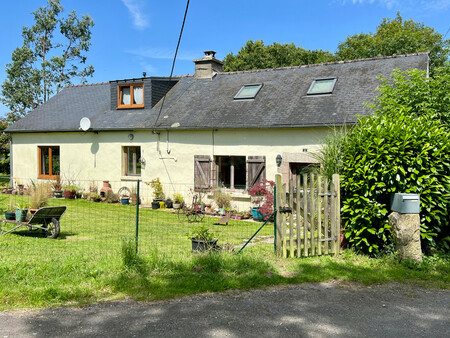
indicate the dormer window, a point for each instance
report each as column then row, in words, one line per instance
column 322, row 86
column 248, row 91
column 130, row 96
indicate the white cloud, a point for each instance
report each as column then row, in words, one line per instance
column 161, row 53
column 135, row 7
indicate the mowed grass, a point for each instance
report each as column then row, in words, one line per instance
column 94, row 260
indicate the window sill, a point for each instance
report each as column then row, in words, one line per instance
column 130, row 178
column 131, row 106
column 235, row 195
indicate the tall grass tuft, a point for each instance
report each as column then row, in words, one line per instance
column 330, row 154
column 131, row 260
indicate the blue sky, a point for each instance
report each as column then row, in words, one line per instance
column 133, row 36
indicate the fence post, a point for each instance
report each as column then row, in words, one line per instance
column 337, row 213
column 279, row 221
column 137, row 216
column 275, row 220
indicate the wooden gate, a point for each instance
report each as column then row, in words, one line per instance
column 308, row 216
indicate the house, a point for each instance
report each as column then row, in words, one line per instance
column 204, row 130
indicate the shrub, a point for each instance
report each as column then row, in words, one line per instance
column 262, row 196
column 383, row 155
column 222, row 199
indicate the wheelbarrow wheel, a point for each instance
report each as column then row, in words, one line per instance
column 53, row 229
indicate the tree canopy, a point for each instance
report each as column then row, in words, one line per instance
column 50, row 57
column 393, row 36
column 256, row 55
column 396, row 36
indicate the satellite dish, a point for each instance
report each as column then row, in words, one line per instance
column 85, row 124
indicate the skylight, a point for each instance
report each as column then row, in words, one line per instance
column 248, row 91
column 322, row 86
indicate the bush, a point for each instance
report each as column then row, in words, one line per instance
column 262, row 196
column 383, row 155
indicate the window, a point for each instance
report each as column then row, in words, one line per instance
column 48, row 162
column 132, row 161
column 322, row 86
column 231, row 172
column 130, row 96
column 248, row 91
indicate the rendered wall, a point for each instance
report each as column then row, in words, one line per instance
column 98, row 156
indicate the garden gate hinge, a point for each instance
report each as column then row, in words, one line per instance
column 285, row 210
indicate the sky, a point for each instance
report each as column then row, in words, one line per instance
column 135, row 36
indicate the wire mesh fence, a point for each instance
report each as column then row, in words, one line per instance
column 101, row 214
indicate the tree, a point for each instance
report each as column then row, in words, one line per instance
column 4, row 148
column 47, row 61
column 403, row 147
column 255, row 55
column 396, row 36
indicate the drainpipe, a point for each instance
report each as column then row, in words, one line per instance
column 10, row 163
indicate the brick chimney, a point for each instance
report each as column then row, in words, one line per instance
column 208, row 66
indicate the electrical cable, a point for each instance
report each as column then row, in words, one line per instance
column 173, row 64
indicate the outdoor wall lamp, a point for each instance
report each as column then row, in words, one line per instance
column 278, row 160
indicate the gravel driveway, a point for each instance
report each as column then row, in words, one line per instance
column 304, row 310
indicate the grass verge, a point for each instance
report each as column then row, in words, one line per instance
column 45, row 282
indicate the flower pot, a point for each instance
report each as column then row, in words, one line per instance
column 58, row 194
column 21, row 215
column 237, row 217
column 134, row 199
column 33, row 211
column 201, row 246
column 10, row 215
column 169, row 203
column 155, row 204
column 257, row 216
column 177, row 205
column 125, row 201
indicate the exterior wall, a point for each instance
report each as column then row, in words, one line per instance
column 98, row 156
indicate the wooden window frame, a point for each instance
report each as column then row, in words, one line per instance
column 232, row 170
column 50, row 164
column 131, row 105
column 135, row 161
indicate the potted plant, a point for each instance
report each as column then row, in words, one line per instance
column 21, row 212
column 38, row 196
column 10, row 213
column 158, row 194
column 125, row 199
column 70, row 191
column 134, row 196
column 168, row 203
column 222, row 199
column 177, row 200
column 202, row 239
column 262, row 197
column 57, row 185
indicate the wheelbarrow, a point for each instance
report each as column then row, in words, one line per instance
column 45, row 219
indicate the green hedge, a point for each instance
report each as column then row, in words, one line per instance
column 383, row 155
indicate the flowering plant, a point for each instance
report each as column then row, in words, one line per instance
column 262, row 196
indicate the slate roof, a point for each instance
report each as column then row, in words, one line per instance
column 209, row 104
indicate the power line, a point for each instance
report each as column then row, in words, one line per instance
column 448, row 30
column 173, row 64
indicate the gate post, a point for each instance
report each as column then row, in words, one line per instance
column 278, row 222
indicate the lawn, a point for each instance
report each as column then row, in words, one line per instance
column 94, row 260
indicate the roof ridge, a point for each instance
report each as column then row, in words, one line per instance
column 324, row 63
column 87, row 84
